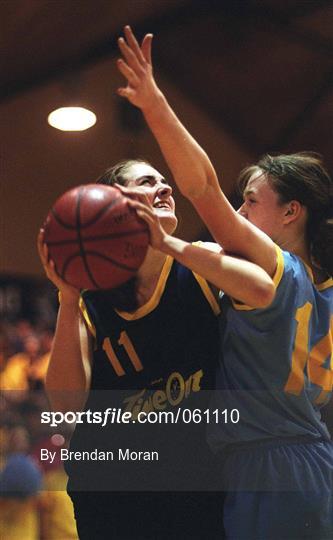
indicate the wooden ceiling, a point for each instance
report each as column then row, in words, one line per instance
column 256, row 73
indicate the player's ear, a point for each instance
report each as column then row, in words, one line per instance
column 293, row 210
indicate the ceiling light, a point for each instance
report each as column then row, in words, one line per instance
column 71, row 119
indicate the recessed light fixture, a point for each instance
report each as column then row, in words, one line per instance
column 71, row 119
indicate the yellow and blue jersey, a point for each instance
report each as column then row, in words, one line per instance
column 172, row 337
column 277, row 367
column 158, row 358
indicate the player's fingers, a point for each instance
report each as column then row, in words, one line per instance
column 137, row 205
column 40, row 241
column 45, row 252
column 128, row 72
column 146, row 47
column 41, row 246
column 129, row 55
column 132, row 42
column 145, row 199
column 141, row 207
column 52, row 274
column 136, row 192
column 52, row 267
column 125, row 190
column 121, row 188
column 41, row 255
column 147, row 218
column 143, row 215
column 127, row 93
column 48, row 264
column 142, row 197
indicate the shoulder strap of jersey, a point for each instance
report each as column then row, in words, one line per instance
column 92, row 307
column 190, row 284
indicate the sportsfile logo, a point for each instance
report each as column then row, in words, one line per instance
column 176, row 390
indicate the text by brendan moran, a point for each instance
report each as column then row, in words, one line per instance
column 121, row 454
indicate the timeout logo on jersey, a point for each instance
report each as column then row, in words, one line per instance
column 176, row 390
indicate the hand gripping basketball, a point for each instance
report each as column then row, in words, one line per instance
column 95, row 238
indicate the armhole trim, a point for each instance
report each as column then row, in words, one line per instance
column 319, row 286
column 205, row 287
column 86, row 317
column 279, row 266
column 208, row 293
column 325, row 285
column 276, row 280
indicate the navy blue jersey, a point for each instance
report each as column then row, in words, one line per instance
column 159, row 358
column 168, row 344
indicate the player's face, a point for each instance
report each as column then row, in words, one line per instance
column 262, row 206
column 159, row 192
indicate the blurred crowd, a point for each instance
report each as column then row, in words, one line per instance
column 34, row 504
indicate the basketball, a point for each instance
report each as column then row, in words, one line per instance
column 95, row 238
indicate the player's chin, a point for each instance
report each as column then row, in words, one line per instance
column 168, row 220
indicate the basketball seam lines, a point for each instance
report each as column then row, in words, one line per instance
column 116, row 263
column 96, row 238
column 78, row 228
column 91, row 222
column 96, row 254
column 101, row 212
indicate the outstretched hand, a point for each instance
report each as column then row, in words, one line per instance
column 139, row 201
column 136, row 66
column 68, row 292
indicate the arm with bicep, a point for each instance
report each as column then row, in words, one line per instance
column 242, row 280
column 189, row 163
column 192, row 169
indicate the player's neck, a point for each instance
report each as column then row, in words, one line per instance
column 148, row 275
column 152, row 265
column 295, row 243
column 299, row 247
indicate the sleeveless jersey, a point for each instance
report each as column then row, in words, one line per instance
column 169, row 342
column 277, row 367
column 156, row 358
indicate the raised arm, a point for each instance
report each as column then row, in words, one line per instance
column 69, row 371
column 190, row 165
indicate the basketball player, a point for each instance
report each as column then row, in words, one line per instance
column 277, row 367
column 155, row 341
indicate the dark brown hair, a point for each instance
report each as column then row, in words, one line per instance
column 115, row 174
column 303, row 177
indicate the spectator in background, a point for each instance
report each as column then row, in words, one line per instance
column 20, row 331
column 20, row 482
column 25, row 370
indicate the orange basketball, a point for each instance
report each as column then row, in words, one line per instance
column 95, row 238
